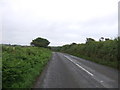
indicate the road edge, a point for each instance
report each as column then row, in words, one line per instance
column 40, row 79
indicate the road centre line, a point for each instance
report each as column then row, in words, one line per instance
column 79, row 66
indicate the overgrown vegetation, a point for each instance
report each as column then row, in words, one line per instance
column 102, row 52
column 21, row 65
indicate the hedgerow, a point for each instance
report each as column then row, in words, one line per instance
column 21, row 65
column 102, row 52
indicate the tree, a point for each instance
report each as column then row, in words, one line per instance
column 73, row 44
column 106, row 39
column 89, row 40
column 102, row 38
column 40, row 42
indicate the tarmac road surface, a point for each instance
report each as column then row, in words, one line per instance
column 67, row 71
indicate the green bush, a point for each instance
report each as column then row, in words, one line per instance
column 21, row 65
column 103, row 52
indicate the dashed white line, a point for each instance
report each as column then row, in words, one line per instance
column 84, row 69
column 79, row 66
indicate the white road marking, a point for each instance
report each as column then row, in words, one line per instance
column 79, row 66
column 84, row 69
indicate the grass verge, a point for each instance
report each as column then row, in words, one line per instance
column 113, row 64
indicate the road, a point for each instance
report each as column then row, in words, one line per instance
column 67, row 71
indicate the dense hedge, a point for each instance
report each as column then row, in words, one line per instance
column 21, row 65
column 103, row 52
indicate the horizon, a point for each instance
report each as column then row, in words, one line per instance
column 61, row 22
column 60, row 45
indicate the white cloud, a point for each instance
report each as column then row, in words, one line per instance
column 60, row 21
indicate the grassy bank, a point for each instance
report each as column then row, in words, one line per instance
column 102, row 52
column 21, row 65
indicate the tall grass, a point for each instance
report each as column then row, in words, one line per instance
column 21, row 65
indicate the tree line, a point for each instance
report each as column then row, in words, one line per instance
column 105, row 51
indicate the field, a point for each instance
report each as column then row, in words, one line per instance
column 21, row 65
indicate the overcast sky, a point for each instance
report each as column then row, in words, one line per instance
column 59, row 21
